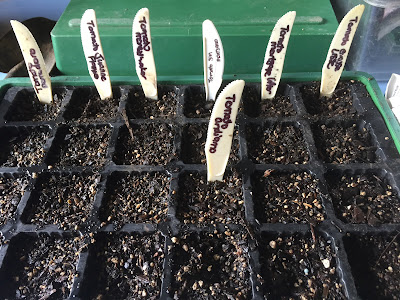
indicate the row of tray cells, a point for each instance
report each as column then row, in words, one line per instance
column 156, row 144
column 198, row 265
column 85, row 106
column 67, row 199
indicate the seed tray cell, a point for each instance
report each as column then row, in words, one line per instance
column 129, row 175
column 23, row 146
column 149, row 144
column 85, row 106
column 194, row 137
column 80, row 146
column 25, row 107
column 139, row 107
column 62, row 199
column 374, row 261
column 135, row 198
column 124, row 266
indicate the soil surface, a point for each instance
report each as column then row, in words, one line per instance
column 287, row 198
column 151, row 144
column 135, row 198
column 375, row 265
column 86, row 107
column 193, row 144
column 196, row 105
column 11, row 192
column 254, row 107
column 276, row 144
column 62, row 200
column 341, row 102
column 297, row 267
column 26, row 107
column 210, row 266
column 342, row 145
column 124, row 266
column 25, row 149
column 42, row 268
column 200, row 202
column 364, row 198
column 140, row 107
column 80, row 146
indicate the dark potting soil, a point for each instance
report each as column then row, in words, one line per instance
column 375, row 265
column 80, row 146
column 344, row 144
column 26, row 107
column 210, row 266
column 200, row 202
column 196, row 105
column 41, row 268
column 279, row 106
column 135, row 198
column 151, row 144
column 65, row 200
column 276, row 144
column 25, row 149
column 11, row 192
column 140, row 107
column 87, row 107
column 297, row 267
column 193, row 144
column 364, row 198
column 287, row 198
column 341, row 102
column 125, row 267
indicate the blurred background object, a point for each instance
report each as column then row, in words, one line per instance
column 22, row 10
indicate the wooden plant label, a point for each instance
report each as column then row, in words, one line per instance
column 34, row 62
column 213, row 60
column 338, row 51
column 143, row 52
column 271, row 71
column 220, row 129
column 94, row 54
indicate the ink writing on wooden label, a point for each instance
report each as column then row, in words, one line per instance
column 217, row 50
column 220, row 124
column 97, row 60
column 210, row 68
column 346, row 37
column 93, row 36
column 276, row 47
column 336, row 59
column 143, row 43
column 37, row 73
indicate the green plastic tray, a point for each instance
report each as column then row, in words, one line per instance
column 176, row 30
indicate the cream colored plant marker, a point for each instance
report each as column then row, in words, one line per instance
column 220, row 129
column 213, row 60
column 338, row 51
column 94, row 54
column 271, row 71
column 143, row 52
column 34, row 62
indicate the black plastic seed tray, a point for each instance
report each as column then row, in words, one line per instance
column 109, row 200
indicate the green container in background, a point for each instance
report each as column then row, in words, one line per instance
column 244, row 27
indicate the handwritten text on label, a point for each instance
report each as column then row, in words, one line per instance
column 96, row 60
column 336, row 59
column 348, row 31
column 37, row 75
column 226, row 120
column 276, row 47
column 142, row 40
